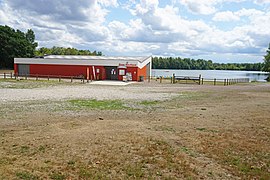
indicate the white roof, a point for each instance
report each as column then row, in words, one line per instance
column 122, row 58
column 139, row 61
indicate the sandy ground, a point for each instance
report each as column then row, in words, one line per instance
column 166, row 132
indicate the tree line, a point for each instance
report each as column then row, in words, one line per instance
column 65, row 51
column 201, row 64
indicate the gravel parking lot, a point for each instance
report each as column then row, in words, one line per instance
column 87, row 91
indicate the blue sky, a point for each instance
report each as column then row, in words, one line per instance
column 220, row 30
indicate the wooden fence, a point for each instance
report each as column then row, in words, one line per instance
column 224, row 82
column 195, row 80
column 173, row 79
column 42, row 77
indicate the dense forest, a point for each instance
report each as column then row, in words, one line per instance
column 15, row 43
column 200, row 64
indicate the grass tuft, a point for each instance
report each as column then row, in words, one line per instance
column 95, row 104
column 57, row 176
column 149, row 103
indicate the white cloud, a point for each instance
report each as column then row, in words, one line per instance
column 152, row 29
column 249, row 12
column 201, row 7
column 108, row 3
column 262, row 1
column 60, row 22
column 226, row 16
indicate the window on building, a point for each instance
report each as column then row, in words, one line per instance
column 121, row 72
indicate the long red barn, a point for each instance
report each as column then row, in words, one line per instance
column 91, row 67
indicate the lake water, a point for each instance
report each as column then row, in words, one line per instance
column 211, row 74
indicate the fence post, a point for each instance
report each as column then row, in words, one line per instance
column 160, row 79
column 36, row 77
column 4, row 75
column 11, row 75
column 200, row 76
column 59, row 78
column 173, row 78
column 25, row 77
column 48, row 78
column 215, row 81
column 202, row 81
column 224, row 82
column 71, row 79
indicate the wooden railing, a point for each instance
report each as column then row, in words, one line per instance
column 173, row 79
column 195, row 80
column 47, row 77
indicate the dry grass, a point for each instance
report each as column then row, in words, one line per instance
column 205, row 132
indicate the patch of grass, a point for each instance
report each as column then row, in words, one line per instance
column 149, row 103
column 57, row 176
column 6, row 160
column 134, row 171
column 165, row 129
column 41, row 149
column 201, row 129
column 185, row 149
column 95, row 104
column 24, row 149
column 26, row 176
column 188, row 151
column 206, row 130
column 71, row 163
column 31, row 83
column 86, row 173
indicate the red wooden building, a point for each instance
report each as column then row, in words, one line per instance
column 91, row 67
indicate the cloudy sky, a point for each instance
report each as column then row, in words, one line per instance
column 220, row 30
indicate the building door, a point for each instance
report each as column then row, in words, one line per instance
column 23, row 70
column 111, row 73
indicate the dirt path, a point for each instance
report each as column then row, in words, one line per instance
column 191, row 132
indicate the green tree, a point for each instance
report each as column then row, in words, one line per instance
column 15, row 43
column 266, row 67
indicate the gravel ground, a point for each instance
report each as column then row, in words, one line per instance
column 87, row 91
column 201, row 132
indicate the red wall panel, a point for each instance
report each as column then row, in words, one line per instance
column 142, row 72
column 134, row 72
column 58, row 70
column 71, row 70
column 15, row 69
column 100, row 72
column 67, row 70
